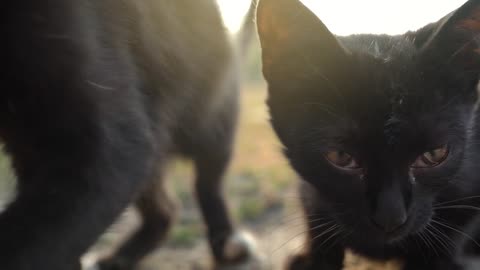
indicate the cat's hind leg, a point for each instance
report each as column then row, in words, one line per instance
column 227, row 245
column 211, row 151
column 156, row 210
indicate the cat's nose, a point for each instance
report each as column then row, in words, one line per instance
column 390, row 211
column 389, row 222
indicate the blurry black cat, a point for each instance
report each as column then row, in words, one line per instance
column 97, row 96
column 384, row 131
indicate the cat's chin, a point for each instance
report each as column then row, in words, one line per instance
column 400, row 234
column 380, row 238
column 396, row 236
column 391, row 238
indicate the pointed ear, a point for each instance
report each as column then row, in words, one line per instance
column 291, row 36
column 455, row 39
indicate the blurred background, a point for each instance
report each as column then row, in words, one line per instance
column 261, row 187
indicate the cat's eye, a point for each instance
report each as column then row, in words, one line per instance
column 342, row 160
column 431, row 158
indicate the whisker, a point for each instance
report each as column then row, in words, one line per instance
column 333, row 227
column 447, row 240
column 287, row 225
column 303, row 218
column 437, row 238
column 100, row 86
column 456, row 230
column 457, row 200
column 419, row 245
column 432, row 238
column 345, row 236
column 339, row 230
column 431, row 242
column 467, row 207
column 302, row 233
column 425, row 241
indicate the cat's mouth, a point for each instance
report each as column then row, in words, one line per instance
column 397, row 234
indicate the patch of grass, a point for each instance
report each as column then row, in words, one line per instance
column 7, row 179
column 184, row 235
column 250, row 209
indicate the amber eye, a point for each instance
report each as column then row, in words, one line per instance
column 431, row 158
column 342, row 160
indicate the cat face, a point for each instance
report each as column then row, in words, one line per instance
column 378, row 124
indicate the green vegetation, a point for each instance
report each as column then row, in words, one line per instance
column 184, row 235
column 7, row 180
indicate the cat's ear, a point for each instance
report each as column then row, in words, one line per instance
column 293, row 38
column 455, row 39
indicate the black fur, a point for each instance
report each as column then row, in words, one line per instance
column 385, row 100
column 96, row 97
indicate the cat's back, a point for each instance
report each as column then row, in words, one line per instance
column 166, row 32
column 185, row 57
column 180, row 48
column 170, row 54
column 185, row 38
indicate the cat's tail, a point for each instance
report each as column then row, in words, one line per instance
column 248, row 30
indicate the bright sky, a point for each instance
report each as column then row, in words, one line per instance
column 345, row 17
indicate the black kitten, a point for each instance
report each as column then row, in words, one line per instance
column 96, row 97
column 383, row 131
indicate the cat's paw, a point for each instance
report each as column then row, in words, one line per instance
column 106, row 263
column 240, row 245
column 241, row 253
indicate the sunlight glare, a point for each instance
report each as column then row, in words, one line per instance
column 344, row 17
column 233, row 12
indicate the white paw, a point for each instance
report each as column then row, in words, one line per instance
column 242, row 244
column 89, row 262
column 238, row 244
